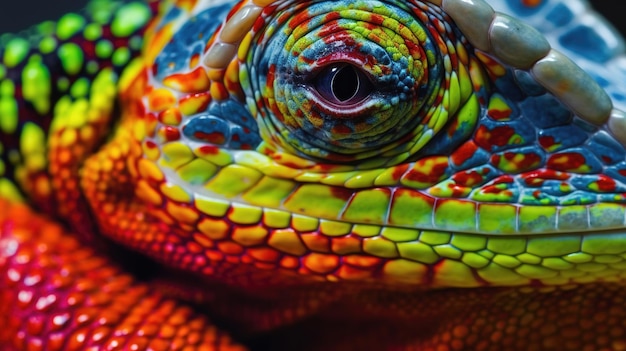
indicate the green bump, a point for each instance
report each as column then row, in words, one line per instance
column 604, row 244
column 69, row 25
column 80, row 88
column 497, row 218
column 467, row 242
column 8, row 107
column 15, row 52
column 507, row 246
column 529, row 258
column 93, row 31
column 121, row 56
column 435, row 238
column 3, row 71
column 417, row 251
column 104, row 49
column 269, row 192
column 368, row 206
column 130, row 19
column 72, row 58
column 553, row 246
column 578, row 257
column 315, row 200
column 556, row 263
column 400, row 234
column 47, row 45
column 448, row 251
column 506, row 261
column 455, row 215
column 197, row 172
column 607, row 259
column 380, row 247
column 37, row 86
column 411, row 208
column 474, row 260
column 223, row 182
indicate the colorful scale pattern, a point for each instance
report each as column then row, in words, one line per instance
column 511, row 161
column 230, row 162
column 58, row 91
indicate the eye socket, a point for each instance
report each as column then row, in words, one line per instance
column 343, row 84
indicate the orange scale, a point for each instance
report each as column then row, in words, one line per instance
column 203, row 241
column 346, row 245
column 194, row 103
column 265, row 254
column 230, row 248
column 161, row 99
column 353, row 273
column 219, row 91
column 316, row 242
column 362, row 261
column 171, row 117
column 290, row 262
column 196, row 81
column 321, row 263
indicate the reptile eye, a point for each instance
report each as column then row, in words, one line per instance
column 343, row 84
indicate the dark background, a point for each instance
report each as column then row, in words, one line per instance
column 19, row 14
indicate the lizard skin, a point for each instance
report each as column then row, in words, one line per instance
column 291, row 239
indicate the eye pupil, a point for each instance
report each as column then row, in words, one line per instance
column 345, row 83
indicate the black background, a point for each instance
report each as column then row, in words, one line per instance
column 19, row 14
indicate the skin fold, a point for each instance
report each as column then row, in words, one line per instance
column 160, row 192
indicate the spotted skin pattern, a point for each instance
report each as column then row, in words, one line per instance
column 446, row 202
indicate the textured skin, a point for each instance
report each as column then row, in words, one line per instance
column 493, row 221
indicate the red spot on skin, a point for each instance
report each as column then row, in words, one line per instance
column 505, row 179
column 605, row 184
column 547, row 142
column 434, row 171
column 525, row 163
column 565, row 162
column 463, row 153
column 341, row 193
column 499, row 115
column 332, row 16
column 209, row 150
column 151, row 145
column 258, row 24
column 538, row 177
column 399, row 171
column 622, row 172
column 234, row 10
column 271, row 75
column 300, row 19
column 532, row 3
column 468, row 179
column 499, row 136
column 171, row 133
column 213, row 138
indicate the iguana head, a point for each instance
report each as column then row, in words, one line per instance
column 404, row 143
